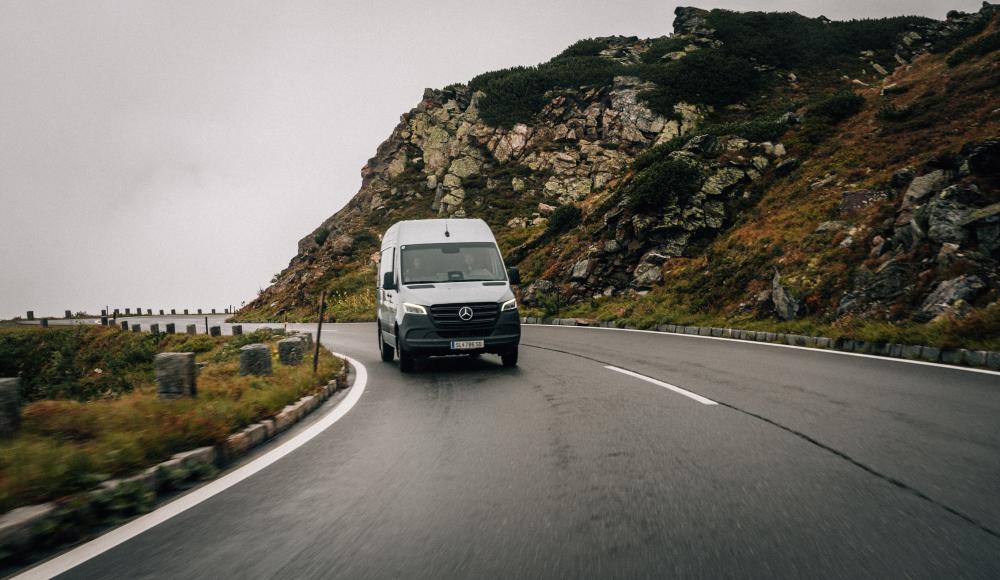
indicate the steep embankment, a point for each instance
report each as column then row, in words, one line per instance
column 750, row 167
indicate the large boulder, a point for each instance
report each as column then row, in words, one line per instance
column 786, row 306
column 583, row 269
column 947, row 213
column 952, row 296
column 922, row 186
column 647, row 274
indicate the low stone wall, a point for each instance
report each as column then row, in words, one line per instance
column 25, row 526
column 959, row 357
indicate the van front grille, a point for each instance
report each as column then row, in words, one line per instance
column 484, row 316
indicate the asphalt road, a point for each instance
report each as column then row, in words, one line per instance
column 811, row 465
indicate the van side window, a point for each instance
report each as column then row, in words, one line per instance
column 385, row 263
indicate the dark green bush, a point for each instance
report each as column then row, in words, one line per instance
column 665, row 182
column 364, row 240
column 517, row 94
column 563, row 219
column 661, row 46
column 981, row 47
column 658, row 153
column 585, row 47
column 837, row 107
column 757, row 131
column 321, row 235
column 790, row 40
column 706, row 76
column 80, row 363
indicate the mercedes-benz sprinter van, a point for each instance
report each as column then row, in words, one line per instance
column 443, row 290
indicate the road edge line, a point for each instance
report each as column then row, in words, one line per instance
column 806, row 348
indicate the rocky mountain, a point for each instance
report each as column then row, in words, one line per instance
column 749, row 166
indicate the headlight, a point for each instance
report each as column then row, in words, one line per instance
column 509, row 305
column 413, row 308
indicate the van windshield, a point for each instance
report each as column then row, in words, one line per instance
column 458, row 262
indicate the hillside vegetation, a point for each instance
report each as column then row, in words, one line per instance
column 689, row 178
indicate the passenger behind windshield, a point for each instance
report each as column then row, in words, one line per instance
column 458, row 262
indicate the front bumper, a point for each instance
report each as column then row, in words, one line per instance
column 420, row 337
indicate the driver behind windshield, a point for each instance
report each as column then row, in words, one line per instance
column 472, row 270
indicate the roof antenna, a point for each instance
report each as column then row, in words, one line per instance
column 447, row 234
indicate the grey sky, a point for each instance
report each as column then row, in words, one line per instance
column 170, row 154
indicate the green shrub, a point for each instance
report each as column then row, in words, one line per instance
column 563, row 219
column 364, row 240
column 976, row 49
column 661, row 46
column 666, row 182
column 80, row 363
column 196, row 343
column 706, row 76
column 790, row 40
column 658, row 153
column 757, row 130
column 837, row 107
column 585, row 47
column 515, row 95
column 321, row 235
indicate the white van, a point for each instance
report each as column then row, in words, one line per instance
column 442, row 290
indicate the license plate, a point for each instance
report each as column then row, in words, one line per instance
column 467, row 344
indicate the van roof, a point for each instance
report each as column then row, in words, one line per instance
column 432, row 231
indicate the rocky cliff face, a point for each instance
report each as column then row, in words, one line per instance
column 858, row 184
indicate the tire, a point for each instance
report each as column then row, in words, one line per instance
column 406, row 362
column 510, row 359
column 388, row 353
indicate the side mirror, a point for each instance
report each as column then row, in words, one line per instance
column 514, row 275
column 389, row 281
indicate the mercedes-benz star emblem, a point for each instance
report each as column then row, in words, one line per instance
column 465, row 313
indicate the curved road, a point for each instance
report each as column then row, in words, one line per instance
column 811, row 464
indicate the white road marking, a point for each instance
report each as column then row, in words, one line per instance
column 810, row 349
column 674, row 388
column 98, row 546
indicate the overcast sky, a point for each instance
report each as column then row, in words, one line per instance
column 171, row 154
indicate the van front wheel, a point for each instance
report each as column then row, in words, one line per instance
column 388, row 353
column 406, row 363
column 510, row 359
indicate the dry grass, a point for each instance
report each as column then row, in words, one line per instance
column 69, row 446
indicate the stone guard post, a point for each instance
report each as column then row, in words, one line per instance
column 291, row 350
column 10, row 406
column 255, row 359
column 175, row 375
